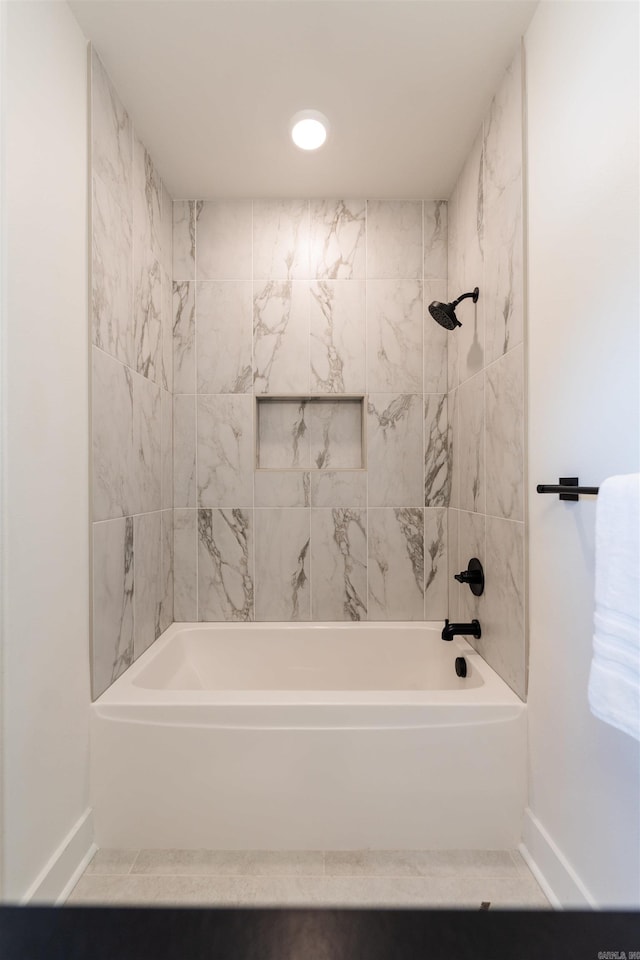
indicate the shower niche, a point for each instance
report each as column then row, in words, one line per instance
column 310, row 433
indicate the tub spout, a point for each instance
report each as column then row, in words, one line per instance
column 452, row 630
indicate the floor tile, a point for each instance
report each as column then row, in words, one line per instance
column 424, row 863
column 108, row 861
column 230, row 863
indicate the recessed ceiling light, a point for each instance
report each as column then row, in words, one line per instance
column 309, row 129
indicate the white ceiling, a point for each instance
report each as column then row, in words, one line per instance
column 211, row 86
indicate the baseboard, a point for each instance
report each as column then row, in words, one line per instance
column 60, row 874
column 559, row 881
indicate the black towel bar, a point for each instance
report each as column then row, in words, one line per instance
column 567, row 488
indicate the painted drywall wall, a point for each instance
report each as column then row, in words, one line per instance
column 583, row 828
column 45, row 451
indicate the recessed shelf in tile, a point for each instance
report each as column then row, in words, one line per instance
column 310, row 433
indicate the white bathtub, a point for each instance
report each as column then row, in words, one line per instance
column 317, row 736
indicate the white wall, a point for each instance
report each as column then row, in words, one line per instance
column 583, row 826
column 47, row 826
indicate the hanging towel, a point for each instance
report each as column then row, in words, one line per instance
column 614, row 681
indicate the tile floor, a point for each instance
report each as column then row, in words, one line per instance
column 371, row 879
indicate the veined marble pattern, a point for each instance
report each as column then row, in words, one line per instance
column 394, row 336
column 147, row 201
column 436, row 452
column 504, row 240
column 338, row 337
column 184, row 337
column 339, row 564
column 394, row 450
column 224, row 337
column 165, row 618
column 281, row 239
column 283, row 434
column 454, row 286
column 472, row 543
column 287, row 488
column 505, row 436
column 225, row 451
column 166, row 233
column 111, row 276
column 468, row 443
column 435, row 239
column 394, row 240
column 224, row 248
column 454, row 565
column 185, row 560
column 282, row 564
column 147, row 444
column 185, row 214
column 184, row 451
column 396, row 564
column 436, row 588
column 113, row 590
column 281, row 337
column 435, row 340
column 470, row 259
column 503, row 638
column 147, row 329
column 167, row 331
column 225, row 565
column 114, row 482
column 111, row 138
column 335, row 434
column 147, row 565
column 339, row 489
column 338, row 229
column 166, row 441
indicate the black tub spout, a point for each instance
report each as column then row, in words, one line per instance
column 452, row 630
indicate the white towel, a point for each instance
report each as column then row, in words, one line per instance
column 614, row 682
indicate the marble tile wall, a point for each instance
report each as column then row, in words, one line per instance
column 131, row 389
column 486, row 518
column 299, row 297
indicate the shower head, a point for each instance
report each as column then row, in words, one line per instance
column 445, row 313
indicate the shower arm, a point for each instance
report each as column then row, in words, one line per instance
column 474, row 295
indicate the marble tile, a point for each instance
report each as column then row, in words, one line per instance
column 470, row 239
column 147, row 314
column 394, row 240
column 335, row 434
column 114, row 491
column 435, row 340
column 167, row 331
column 394, row 450
column 107, row 862
column 111, row 138
column 166, row 450
column 280, row 239
column 113, row 593
column 283, row 435
column 225, row 565
column 461, row 864
column 225, row 451
column 503, row 630
column 454, row 565
column 339, row 489
column 224, row 244
column 282, row 564
column 339, row 564
column 436, row 452
column 504, row 391
column 472, row 543
column 147, row 444
column 394, row 336
column 469, row 444
column 436, row 588
column 503, row 277
column 338, row 337
column 454, row 286
column 435, row 239
column 147, row 201
column 111, row 276
column 222, row 863
column 338, row 234
column 184, row 451
column 454, row 464
column 286, row 488
column 281, row 337
column 224, row 311
column 185, row 214
column 147, row 567
column 396, row 564
column 166, row 233
column 167, row 561
column 185, row 565
column 184, row 337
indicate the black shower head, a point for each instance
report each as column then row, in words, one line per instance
column 445, row 313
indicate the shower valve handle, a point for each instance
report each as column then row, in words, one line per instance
column 473, row 576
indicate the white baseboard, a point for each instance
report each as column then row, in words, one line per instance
column 561, row 884
column 60, row 874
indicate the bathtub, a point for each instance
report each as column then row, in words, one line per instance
column 318, row 736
